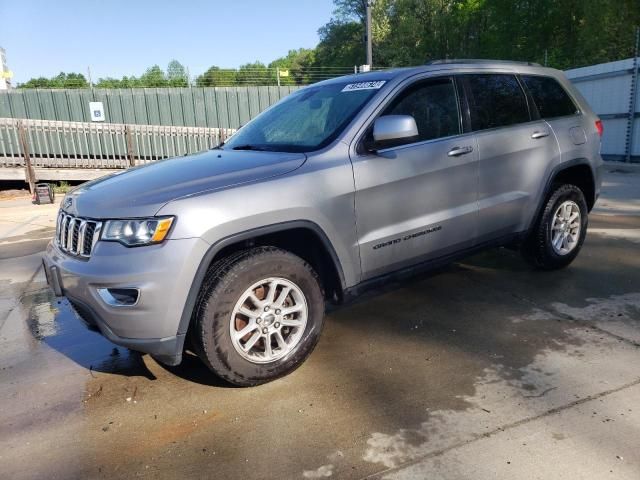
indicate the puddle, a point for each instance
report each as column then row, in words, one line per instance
column 504, row 394
column 53, row 322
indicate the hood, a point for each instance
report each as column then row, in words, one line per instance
column 142, row 191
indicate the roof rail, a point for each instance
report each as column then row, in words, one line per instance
column 480, row 60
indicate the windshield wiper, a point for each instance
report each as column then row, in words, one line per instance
column 248, row 146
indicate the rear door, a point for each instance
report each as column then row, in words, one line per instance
column 417, row 200
column 558, row 109
column 516, row 151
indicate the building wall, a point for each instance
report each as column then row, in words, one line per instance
column 607, row 88
column 5, row 83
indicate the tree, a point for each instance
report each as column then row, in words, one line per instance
column 177, row 74
column 568, row 33
column 300, row 65
column 153, row 77
column 216, row 77
column 409, row 32
column 40, row 82
column 62, row 80
column 255, row 73
column 340, row 45
column 342, row 40
column 125, row 82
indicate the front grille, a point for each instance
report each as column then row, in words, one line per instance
column 75, row 235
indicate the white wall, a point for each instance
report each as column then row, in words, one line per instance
column 607, row 89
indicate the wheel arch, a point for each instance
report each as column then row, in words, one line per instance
column 578, row 172
column 581, row 174
column 301, row 237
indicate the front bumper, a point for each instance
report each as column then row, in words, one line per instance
column 162, row 273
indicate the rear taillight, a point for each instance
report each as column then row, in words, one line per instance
column 599, row 127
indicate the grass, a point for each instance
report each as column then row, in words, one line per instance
column 62, row 187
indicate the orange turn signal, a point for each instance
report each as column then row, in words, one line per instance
column 162, row 229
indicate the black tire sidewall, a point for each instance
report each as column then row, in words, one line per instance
column 547, row 257
column 214, row 316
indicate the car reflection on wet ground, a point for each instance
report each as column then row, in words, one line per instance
column 484, row 369
column 53, row 322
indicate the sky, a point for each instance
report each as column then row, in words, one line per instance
column 118, row 37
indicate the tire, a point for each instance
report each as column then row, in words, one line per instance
column 539, row 248
column 252, row 275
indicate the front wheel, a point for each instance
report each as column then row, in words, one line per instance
column 259, row 315
column 557, row 237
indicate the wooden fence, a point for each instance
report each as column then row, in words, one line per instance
column 45, row 149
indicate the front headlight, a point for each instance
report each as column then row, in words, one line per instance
column 137, row 231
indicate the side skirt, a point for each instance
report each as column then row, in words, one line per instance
column 428, row 265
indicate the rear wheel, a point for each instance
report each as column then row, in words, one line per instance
column 559, row 234
column 259, row 315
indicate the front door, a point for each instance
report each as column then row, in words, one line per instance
column 418, row 200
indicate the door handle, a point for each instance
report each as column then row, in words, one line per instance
column 535, row 135
column 457, row 151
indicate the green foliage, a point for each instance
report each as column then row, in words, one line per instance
column 341, row 44
column 177, row 75
column 215, row 77
column 410, row 32
column 61, row 187
column 62, row 80
column 301, row 66
column 124, row 82
column 255, row 73
column 568, row 33
column 154, row 77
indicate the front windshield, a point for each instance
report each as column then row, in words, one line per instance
column 306, row 120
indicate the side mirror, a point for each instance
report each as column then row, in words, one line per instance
column 390, row 130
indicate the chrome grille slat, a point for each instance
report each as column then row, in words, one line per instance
column 58, row 222
column 80, row 241
column 69, row 242
column 65, row 232
column 96, row 235
column 77, row 236
column 75, row 232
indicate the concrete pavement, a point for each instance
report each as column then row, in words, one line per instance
column 484, row 369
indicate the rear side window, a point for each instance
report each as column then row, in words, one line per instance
column 433, row 105
column 495, row 100
column 550, row 98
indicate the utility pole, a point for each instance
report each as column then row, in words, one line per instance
column 632, row 99
column 24, row 146
column 93, row 98
column 369, row 4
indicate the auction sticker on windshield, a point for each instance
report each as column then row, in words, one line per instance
column 364, row 86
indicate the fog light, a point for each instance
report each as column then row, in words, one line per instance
column 119, row 297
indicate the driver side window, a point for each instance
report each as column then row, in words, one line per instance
column 434, row 106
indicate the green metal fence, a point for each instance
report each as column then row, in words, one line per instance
column 212, row 107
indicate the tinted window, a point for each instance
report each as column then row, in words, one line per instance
column 433, row 105
column 549, row 96
column 495, row 101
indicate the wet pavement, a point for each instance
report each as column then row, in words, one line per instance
column 484, row 369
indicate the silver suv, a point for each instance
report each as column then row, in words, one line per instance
column 232, row 253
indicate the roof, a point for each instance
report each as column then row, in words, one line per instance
column 433, row 66
column 476, row 61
